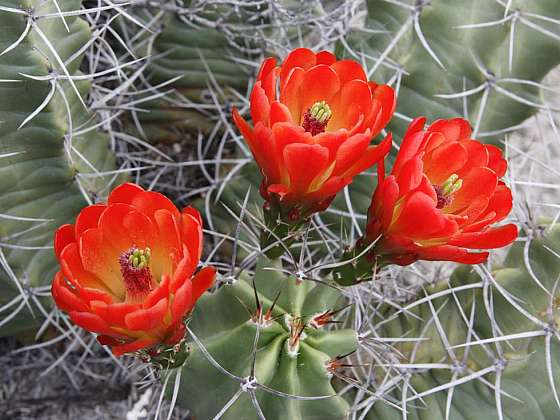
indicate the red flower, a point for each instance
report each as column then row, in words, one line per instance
column 441, row 198
column 127, row 269
column 313, row 137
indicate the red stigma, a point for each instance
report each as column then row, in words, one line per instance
column 312, row 125
column 442, row 199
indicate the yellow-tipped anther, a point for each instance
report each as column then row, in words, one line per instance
column 320, row 111
column 140, row 258
column 451, row 185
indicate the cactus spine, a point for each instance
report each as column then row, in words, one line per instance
column 52, row 157
column 271, row 343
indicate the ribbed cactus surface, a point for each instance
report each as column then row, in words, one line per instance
column 187, row 58
column 52, row 158
column 495, row 325
column 276, row 339
column 483, row 60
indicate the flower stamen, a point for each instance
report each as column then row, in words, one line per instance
column 135, row 269
column 140, row 258
column 446, row 190
column 316, row 118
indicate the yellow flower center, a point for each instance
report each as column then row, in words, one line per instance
column 135, row 270
column 452, row 185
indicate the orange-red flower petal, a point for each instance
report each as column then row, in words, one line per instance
column 304, row 161
column 442, row 197
column 93, row 287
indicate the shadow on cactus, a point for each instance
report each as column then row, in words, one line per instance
column 199, row 54
column 272, row 344
column 192, row 69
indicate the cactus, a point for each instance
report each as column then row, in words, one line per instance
column 190, row 52
column 199, row 54
column 52, row 160
column 481, row 344
column 495, row 325
column 274, row 338
column 450, row 58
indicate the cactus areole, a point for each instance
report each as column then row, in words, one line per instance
column 273, row 331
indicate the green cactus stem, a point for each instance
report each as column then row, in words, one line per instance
column 46, row 146
column 510, row 341
column 276, row 340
